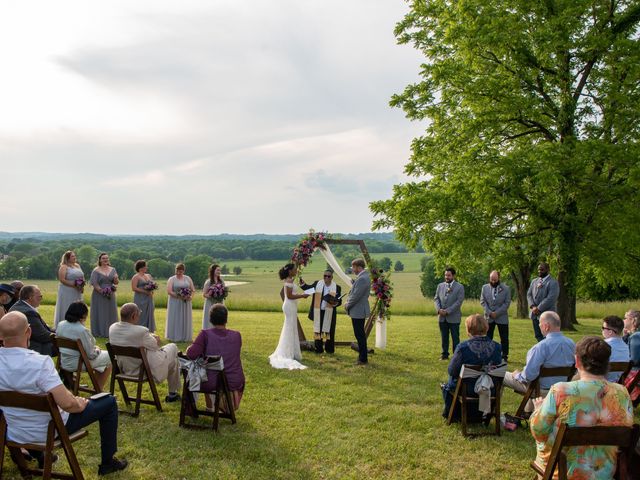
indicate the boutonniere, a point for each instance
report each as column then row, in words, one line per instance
column 449, row 290
column 499, row 289
column 540, row 283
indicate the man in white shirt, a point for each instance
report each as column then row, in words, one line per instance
column 162, row 360
column 27, row 371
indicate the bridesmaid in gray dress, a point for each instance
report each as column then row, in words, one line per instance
column 179, row 327
column 104, row 310
column 215, row 277
column 68, row 291
column 141, row 284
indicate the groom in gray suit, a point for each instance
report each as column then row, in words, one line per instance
column 448, row 300
column 542, row 297
column 357, row 307
column 495, row 300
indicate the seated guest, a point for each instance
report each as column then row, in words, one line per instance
column 634, row 352
column 41, row 342
column 587, row 402
column 6, row 295
column 17, row 286
column 73, row 327
column 478, row 350
column 612, row 327
column 220, row 341
column 631, row 318
column 555, row 350
column 162, row 360
column 26, row 371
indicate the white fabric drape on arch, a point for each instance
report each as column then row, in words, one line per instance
column 337, row 269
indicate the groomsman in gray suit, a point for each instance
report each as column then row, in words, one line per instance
column 448, row 300
column 542, row 297
column 495, row 300
column 357, row 307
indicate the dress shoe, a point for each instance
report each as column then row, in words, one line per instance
column 361, row 363
column 444, row 357
column 114, row 465
column 172, row 397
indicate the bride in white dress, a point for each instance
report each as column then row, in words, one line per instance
column 287, row 354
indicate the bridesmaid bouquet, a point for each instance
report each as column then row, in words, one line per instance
column 151, row 286
column 185, row 293
column 79, row 283
column 108, row 291
column 218, row 292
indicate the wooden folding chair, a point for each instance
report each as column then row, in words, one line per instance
column 144, row 376
column 73, row 378
column 533, row 390
column 625, row 438
column 189, row 407
column 57, row 437
column 460, row 396
column 623, row 367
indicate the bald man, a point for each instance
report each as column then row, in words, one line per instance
column 27, row 371
column 495, row 299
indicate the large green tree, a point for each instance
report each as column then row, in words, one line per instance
column 530, row 151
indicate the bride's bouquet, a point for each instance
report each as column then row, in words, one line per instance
column 218, row 292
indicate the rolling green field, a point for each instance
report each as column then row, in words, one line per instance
column 331, row 421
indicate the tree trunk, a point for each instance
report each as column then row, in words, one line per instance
column 568, row 263
column 522, row 279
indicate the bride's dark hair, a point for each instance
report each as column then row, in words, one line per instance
column 284, row 271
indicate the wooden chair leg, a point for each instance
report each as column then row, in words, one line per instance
column 156, row 397
column 3, row 434
column 454, row 401
column 138, row 399
column 18, row 459
column 463, row 411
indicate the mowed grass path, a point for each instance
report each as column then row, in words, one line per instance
column 333, row 420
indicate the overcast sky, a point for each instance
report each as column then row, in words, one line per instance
column 200, row 117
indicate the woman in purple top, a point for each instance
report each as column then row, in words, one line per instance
column 220, row 341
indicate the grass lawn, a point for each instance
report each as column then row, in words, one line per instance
column 333, row 420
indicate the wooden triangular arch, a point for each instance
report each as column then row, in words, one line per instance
column 308, row 345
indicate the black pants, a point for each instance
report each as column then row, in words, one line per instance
column 329, row 345
column 104, row 411
column 361, row 338
column 536, row 328
column 503, row 330
column 445, row 328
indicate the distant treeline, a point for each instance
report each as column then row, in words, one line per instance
column 37, row 255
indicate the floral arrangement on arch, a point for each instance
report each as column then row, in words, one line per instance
column 382, row 290
column 302, row 253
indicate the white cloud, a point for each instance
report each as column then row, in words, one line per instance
column 159, row 110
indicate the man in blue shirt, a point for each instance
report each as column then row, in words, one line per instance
column 555, row 350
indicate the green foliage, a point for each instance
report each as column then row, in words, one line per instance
column 398, row 266
column 237, row 270
column 224, row 269
column 531, row 148
column 197, row 267
column 384, row 263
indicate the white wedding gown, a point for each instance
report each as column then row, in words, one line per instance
column 287, row 354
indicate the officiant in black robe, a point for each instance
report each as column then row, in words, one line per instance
column 327, row 299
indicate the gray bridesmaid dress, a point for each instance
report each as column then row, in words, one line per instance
column 145, row 304
column 104, row 311
column 179, row 326
column 67, row 295
column 208, row 303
